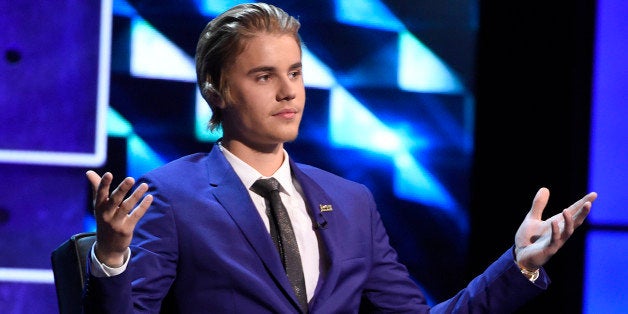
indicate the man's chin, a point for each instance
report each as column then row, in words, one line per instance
column 292, row 138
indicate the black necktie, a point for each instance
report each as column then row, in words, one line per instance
column 283, row 235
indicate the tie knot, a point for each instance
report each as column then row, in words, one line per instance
column 266, row 186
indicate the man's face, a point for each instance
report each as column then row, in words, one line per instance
column 267, row 92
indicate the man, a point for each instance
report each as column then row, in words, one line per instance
column 205, row 239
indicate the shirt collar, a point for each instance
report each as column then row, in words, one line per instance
column 249, row 175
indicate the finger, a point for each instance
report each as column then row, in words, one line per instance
column 568, row 226
column 587, row 198
column 592, row 196
column 94, row 179
column 141, row 209
column 117, row 196
column 539, row 203
column 580, row 209
column 581, row 214
column 127, row 205
column 557, row 238
column 100, row 186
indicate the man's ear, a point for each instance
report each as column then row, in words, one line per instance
column 216, row 99
column 213, row 96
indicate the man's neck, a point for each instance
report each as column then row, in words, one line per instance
column 266, row 160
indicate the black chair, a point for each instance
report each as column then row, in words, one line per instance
column 68, row 266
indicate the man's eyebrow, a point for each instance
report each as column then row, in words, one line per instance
column 261, row 69
column 297, row 65
column 265, row 68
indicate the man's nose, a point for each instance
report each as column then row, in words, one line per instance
column 287, row 89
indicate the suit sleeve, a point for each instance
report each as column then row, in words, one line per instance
column 150, row 272
column 389, row 288
column 501, row 288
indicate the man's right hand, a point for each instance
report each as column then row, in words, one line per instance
column 116, row 217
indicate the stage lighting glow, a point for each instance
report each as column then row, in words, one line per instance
column 352, row 125
column 155, row 56
column 123, row 8
column 420, row 70
column 414, row 182
column 201, row 119
column 117, row 125
column 370, row 13
column 315, row 72
column 213, row 8
column 26, row 275
column 141, row 158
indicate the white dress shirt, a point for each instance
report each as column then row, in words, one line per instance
column 292, row 198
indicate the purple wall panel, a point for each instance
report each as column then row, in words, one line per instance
column 49, row 98
column 20, row 298
column 40, row 208
column 49, row 75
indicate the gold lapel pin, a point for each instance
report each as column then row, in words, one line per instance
column 325, row 208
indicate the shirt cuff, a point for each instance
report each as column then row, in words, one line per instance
column 99, row 269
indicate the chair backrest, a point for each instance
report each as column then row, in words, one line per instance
column 69, row 266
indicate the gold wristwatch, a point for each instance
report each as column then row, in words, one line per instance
column 532, row 275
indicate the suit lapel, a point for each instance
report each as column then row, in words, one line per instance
column 233, row 196
column 328, row 226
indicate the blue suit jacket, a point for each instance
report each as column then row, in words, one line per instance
column 203, row 248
